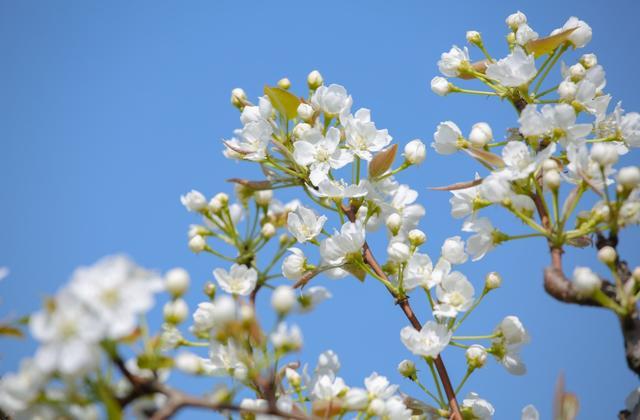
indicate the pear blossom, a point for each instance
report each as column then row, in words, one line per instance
column 117, row 291
column 327, row 387
column 463, row 201
column 283, row 299
column 429, row 341
column 440, row 86
column 509, row 357
column 312, row 297
column 239, row 280
column 521, row 161
column 362, row 136
column 304, row 224
column 336, row 249
column 332, row 100
column 515, row 20
column 294, row 265
column 496, row 187
column 286, row 338
column 451, row 62
column 630, row 129
column 421, row 273
column 482, row 242
column 68, row 334
column 415, row 152
column 580, row 36
column 193, row 364
column 257, row 113
column 204, row 318
column 513, row 331
column 250, row 142
column 19, row 389
column 455, row 294
column 524, row 34
column 516, row 69
column 557, row 121
column 480, row 409
column 395, row 409
column 227, row 359
column 398, row 251
column 453, row 250
column 446, row 138
column 340, row 189
column 403, row 203
column 320, row 153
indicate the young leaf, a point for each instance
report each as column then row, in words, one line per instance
column 284, row 101
column 542, row 46
column 382, row 161
column 486, row 157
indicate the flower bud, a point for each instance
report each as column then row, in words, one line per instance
column 577, row 72
column 481, row 134
column 300, row 129
column 293, row 378
column 408, row 369
column 189, row 363
column 604, row 154
column 209, row 290
column 224, row 309
column 515, row 20
column 589, row 60
column 550, row 165
column 607, row 255
column 376, row 408
column 238, row 97
column 175, row 311
column 398, row 251
column 284, row 83
column 636, row 274
column 511, row 39
column 197, row 244
column 283, row 299
column 268, row 230
column 476, row 356
column 567, row 90
column 585, row 281
column 176, row 281
column 197, row 230
column 415, row 152
column 417, row 237
column 263, row 197
column 246, row 313
column 493, row 280
column 629, row 177
column 440, row 86
column 305, row 111
column 393, row 222
column 552, row 180
column 194, row 201
column 474, row 37
column 314, row 80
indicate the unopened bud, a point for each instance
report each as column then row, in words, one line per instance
column 604, row 154
column 474, row 37
column 398, row 251
column 629, row 177
column 516, row 19
column 589, row 60
column 636, row 274
column 415, row 152
column 300, row 129
column 552, row 180
column 393, row 222
column 263, row 197
column 577, row 72
column 293, row 378
column 440, row 86
column 567, row 90
column 417, row 237
column 176, row 281
column 493, row 280
column 283, row 299
column 305, row 111
column 408, row 369
column 476, row 356
column 209, row 290
column 550, row 165
column 197, row 244
column 238, row 97
column 268, row 230
column 175, row 311
column 314, row 80
column 607, row 255
column 246, row 313
column 481, row 134
column 284, row 83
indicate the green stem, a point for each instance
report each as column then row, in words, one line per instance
column 429, row 393
column 548, row 68
column 436, row 381
column 475, row 337
column 464, row 379
column 474, row 306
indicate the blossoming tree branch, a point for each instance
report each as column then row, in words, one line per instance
column 98, row 356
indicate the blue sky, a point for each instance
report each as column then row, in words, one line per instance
column 110, row 111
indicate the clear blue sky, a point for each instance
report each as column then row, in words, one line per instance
column 110, row 111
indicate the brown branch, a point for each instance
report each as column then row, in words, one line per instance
column 371, row 261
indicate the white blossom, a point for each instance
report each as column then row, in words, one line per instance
column 514, row 70
column 332, row 100
column 521, row 161
column 479, row 408
column 320, row 153
column 482, row 242
column 239, row 280
column 293, row 266
column 286, row 338
column 529, row 412
column 335, row 249
column 453, row 250
column 194, row 201
column 421, row 273
column 455, row 294
column 585, row 281
column 450, row 62
column 446, row 138
column 429, row 341
column 580, row 36
column 340, row 189
column 440, row 86
column 362, row 136
column 304, row 224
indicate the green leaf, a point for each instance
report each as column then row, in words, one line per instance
column 154, row 361
column 486, row 157
column 283, row 101
column 356, row 271
column 108, row 399
column 542, row 46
